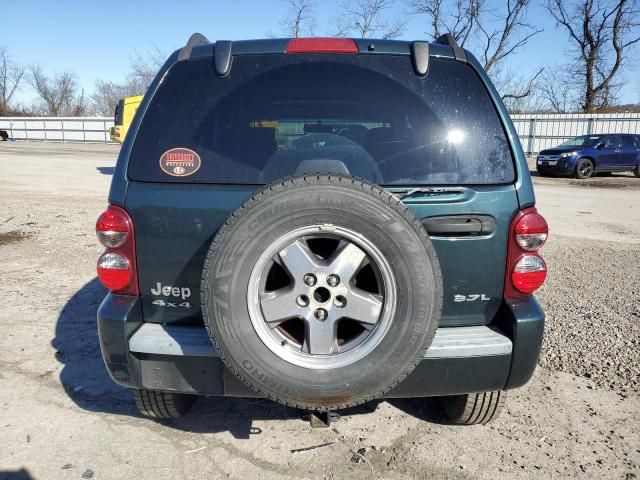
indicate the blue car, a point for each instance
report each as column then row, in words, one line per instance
column 587, row 154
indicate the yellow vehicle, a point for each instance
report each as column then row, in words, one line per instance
column 125, row 110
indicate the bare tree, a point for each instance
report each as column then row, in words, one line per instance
column 300, row 19
column 106, row 95
column 144, row 67
column 460, row 21
column 11, row 75
column 601, row 32
column 512, row 34
column 518, row 92
column 494, row 34
column 557, row 92
column 58, row 94
column 367, row 19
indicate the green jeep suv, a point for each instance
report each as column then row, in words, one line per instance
column 321, row 222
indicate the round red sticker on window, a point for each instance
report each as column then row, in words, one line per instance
column 180, row 162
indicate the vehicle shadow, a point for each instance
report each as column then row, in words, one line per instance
column 236, row 415
column 426, row 409
column 86, row 381
column 106, row 170
column 22, row 474
column 84, row 377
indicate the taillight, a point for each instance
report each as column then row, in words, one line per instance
column 116, row 266
column 526, row 269
column 529, row 273
column 112, row 227
column 321, row 45
column 114, row 271
column 531, row 231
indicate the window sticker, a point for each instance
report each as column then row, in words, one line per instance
column 180, row 162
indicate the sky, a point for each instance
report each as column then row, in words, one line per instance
column 96, row 40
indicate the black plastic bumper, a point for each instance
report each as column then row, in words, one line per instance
column 200, row 370
column 564, row 168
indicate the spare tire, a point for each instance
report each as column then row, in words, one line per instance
column 321, row 292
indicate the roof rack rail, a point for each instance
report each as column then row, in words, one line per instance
column 448, row 39
column 194, row 40
column 420, row 57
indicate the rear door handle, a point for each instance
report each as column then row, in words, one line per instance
column 459, row 225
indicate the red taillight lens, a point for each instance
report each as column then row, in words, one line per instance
column 321, row 45
column 112, row 227
column 114, row 271
column 116, row 266
column 529, row 273
column 531, row 231
column 526, row 270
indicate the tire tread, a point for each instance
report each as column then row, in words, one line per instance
column 474, row 408
column 162, row 405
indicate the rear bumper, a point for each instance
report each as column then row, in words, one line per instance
column 182, row 358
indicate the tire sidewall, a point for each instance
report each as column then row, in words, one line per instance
column 264, row 219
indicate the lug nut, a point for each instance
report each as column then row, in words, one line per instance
column 320, row 314
column 309, row 279
column 302, row 300
column 333, row 280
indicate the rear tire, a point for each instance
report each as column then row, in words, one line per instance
column 584, row 169
column 162, row 405
column 474, row 408
column 636, row 171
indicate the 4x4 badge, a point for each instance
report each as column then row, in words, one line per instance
column 180, row 162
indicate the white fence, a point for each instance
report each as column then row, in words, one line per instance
column 536, row 132
column 541, row 131
column 58, row 129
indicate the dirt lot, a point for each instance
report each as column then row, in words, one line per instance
column 62, row 417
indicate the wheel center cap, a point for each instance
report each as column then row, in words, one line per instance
column 321, row 295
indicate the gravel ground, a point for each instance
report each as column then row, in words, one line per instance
column 62, row 417
column 592, row 305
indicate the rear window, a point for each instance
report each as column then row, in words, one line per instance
column 366, row 115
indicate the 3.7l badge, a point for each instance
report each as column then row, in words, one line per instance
column 481, row 297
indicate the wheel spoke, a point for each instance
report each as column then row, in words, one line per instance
column 347, row 260
column 310, row 304
column 363, row 307
column 298, row 259
column 279, row 306
column 321, row 337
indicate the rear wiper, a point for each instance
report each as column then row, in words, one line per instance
column 402, row 194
